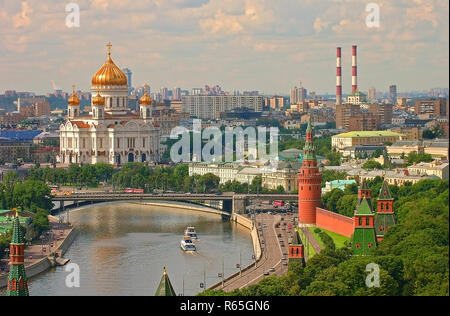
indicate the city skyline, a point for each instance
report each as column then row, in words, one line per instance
column 240, row 45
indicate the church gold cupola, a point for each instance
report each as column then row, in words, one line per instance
column 112, row 84
column 73, row 105
column 98, row 107
column 145, row 106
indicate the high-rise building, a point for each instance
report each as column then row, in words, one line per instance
column 164, row 93
column 298, row 94
column 344, row 113
column 384, row 111
column 210, row 106
column 364, row 122
column 275, row 103
column 431, row 107
column 129, row 75
column 176, row 94
column 372, row 97
column 393, row 94
column 309, row 182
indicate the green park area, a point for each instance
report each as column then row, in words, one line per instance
column 339, row 240
column 309, row 249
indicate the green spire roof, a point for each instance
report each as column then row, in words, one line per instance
column 364, row 185
column 17, row 238
column 385, row 192
column 364, row 208
column 309, row 149
column 165, row 288
column 17, row 272
column 309, row 128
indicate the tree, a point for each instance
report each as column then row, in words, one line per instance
column 331, row 199
column 73, row 174
column 209, row 182
column 334, row 158
column 103, row 171
column 256, row 186
column 372, row 164
column 414, row 158
column 31, row 195
column 347, row 205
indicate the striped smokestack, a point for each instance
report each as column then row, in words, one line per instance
column 354, row 69
column 338, row 77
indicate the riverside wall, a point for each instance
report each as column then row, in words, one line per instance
column 43, row 264
column 249, row 224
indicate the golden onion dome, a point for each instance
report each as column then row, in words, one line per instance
column 98, row 100
column 146, row 100
column 109, row 74
column 73, row 100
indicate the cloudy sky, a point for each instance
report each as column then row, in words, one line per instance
column 265, row 45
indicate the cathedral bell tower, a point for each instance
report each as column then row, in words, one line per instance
column 73, row 108
column 98, row 107
column 145, row 106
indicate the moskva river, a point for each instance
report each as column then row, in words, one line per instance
column 121, row 249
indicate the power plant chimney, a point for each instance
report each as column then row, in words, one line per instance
column 338, row 77
column 354, row 69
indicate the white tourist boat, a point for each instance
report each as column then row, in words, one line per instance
column 187, row 244
column 190, row 232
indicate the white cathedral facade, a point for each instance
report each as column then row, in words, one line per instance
column 110, row 133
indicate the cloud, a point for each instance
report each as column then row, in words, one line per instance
column 237, row 43
column 22, row 18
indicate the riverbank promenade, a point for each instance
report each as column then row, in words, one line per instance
column 42, row 248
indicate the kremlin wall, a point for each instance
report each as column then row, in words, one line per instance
column 367, row 226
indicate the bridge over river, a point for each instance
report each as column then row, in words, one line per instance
column 232, row 202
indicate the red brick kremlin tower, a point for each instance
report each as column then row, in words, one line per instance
column 309, row 182
column 17, row 279
column 385, row 216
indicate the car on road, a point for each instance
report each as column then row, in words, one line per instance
column 272, row 270
column 285, row 263
column 266, row 273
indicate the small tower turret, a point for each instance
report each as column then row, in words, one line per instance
column 165, row 287
column 385, row 212
column 73, row 108
column 98, row 107
column 17, row 278
column 364, row 240
column 364, row 192
column 145, row 106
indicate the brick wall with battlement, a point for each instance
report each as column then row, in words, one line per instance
column 333, row 222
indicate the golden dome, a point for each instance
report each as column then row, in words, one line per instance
column 73, row 100
column 109, row 74
column 98, row 100
column 146, row 100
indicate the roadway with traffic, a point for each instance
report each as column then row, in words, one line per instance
column 274, row 259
